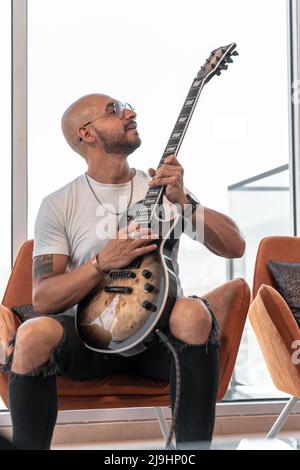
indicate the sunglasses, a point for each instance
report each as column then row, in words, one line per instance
column 117, row 108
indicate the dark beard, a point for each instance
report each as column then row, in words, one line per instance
column 123, row 145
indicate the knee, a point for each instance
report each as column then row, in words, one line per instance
column 191, row 321
column 38, row 336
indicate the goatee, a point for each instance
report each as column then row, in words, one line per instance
column 119, row 145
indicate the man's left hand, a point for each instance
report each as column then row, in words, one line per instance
column 170, row 174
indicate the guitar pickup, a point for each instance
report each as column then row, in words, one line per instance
column 118, row 289
column 126, row 274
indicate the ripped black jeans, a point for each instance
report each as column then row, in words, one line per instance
column 33, row 396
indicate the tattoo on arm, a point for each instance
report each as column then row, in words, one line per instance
column 42, row 265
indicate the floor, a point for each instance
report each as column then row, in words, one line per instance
column 254, row 442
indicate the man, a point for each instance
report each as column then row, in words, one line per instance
column 72, row 255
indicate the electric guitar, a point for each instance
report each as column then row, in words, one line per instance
column 122, row 314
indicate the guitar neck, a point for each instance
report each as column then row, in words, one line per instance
column 155, row 193
column 183, row 120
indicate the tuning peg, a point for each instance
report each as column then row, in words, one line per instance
column 224, row 66
column 218, row 72
column 229, row 60
column 235, row 53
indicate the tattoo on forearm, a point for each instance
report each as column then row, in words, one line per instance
column 42, row 265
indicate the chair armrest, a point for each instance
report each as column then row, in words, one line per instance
column 9, row 324
column 276, row 331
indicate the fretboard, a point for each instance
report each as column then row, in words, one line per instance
column 155, row 193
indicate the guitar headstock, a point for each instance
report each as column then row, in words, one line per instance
column 217, row 61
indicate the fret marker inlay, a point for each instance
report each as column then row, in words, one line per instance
column 189, row 102
column 176, row 135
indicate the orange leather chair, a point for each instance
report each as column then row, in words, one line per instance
column 273, row 322
column 230, row 302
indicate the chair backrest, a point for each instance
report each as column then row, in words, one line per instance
column 19, row 287
column 275, row 249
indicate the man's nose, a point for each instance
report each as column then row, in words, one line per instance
column 129, row 113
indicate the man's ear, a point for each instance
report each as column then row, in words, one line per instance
column 84, row 134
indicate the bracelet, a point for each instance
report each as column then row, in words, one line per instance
column 95, row 263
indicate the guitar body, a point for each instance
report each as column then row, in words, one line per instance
column 121, row 315
column 110, row 321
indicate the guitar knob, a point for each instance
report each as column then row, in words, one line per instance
column 149, row 306
column 147, row 274
column 149, row 287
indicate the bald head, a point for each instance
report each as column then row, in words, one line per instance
column 80, row 112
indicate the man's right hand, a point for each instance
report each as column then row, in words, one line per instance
column 129, row 243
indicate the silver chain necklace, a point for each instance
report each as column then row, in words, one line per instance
column 98, row 200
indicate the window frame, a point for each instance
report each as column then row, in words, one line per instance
column 19, row 162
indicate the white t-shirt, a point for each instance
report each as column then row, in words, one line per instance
column 71, row 222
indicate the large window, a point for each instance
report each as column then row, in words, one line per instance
column 147, row 53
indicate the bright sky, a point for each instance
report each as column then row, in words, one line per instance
column 147, row 53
